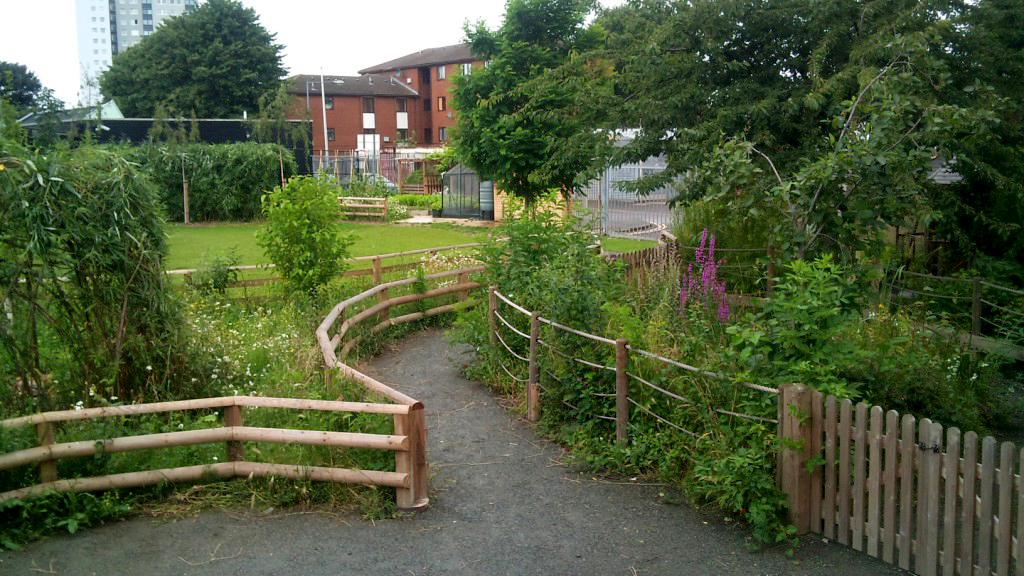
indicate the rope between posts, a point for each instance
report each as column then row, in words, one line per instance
column 931, row 276
column 746, row 416
column 502, row 340
column 511, row 375
column 760, row 388
column 510, row 327
column 594, row 365
column 576, row 332
column 686, row 367
column 930, row 294
column 659, row 389
column 1002, row 309
column 511, row 303
column 659, row 418
column 1003, row 288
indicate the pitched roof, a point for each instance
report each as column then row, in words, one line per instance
column 367, row 85
column 426, row 57
column 107, row 110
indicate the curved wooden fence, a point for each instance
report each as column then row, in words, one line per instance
column 415, row 461
column 408, row 441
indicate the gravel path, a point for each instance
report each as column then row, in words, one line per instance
column 501, row 503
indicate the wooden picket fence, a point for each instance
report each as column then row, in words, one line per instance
column 899, row 489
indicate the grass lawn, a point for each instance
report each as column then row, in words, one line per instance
column 625, row 244
column 191, row 245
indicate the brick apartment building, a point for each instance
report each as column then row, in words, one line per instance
column 406, row 100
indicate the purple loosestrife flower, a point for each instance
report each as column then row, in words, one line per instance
column 723, row 309
column 704, row 289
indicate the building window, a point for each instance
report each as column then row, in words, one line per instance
column 442, row 103
column 367, row 105
column 402, row 134
column 330, row 134
column 440, row 72
column 442, row 134
column 400, row 105
column 369, row 131
column 467, row 69
column 426, row 105
column 329, row 102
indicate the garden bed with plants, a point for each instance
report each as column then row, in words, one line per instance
column 825, row 325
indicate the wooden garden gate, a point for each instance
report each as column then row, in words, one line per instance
column 902, row 490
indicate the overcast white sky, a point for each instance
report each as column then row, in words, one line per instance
column 341, row 36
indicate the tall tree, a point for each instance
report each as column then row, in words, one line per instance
column 18, row 85
column 216, row 61
column 823, row 118
column 526, row 119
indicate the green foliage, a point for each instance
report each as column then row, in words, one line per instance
column 82, row 248
column 365, row 186
column 302, row 235
column 795, row 337
column 19, row 86
column 446, row 159
column 226, row 181
column 25, row 519
column 814, row 330
column 216, row 61
column 526, row 119
column 825, row 119
column 215, row 275
column 428, row 201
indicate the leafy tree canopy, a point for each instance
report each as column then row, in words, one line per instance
column 215, row 61
column 525, row 118
column 825, row 118
column 18, row 85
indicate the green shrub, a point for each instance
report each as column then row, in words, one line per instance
column 302, row 235
column 226, row 181
column 427, row 201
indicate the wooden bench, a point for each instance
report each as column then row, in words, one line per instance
column 364, row 207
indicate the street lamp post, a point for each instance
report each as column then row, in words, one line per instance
column 323, row 107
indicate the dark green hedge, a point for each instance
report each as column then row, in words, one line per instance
column 226, row 181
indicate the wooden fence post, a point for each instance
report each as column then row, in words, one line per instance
column 976, row 307
column 621, row 392
column 403, row 464
column 770, row 286
column 377, row 275
column 794, row 428
column 532, row 390
column 464, row 279
column 414, row 461
column 47, row 468
column 492, row 308
column 233, row 417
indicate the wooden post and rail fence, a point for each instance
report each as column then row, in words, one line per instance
column 891, row 486
column 364, row 207
column 378, row 268
column 408, row 441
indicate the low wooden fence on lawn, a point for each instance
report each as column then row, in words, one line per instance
column 360, row 207
column 378, row 269
column 408, row 443
column 408, row 440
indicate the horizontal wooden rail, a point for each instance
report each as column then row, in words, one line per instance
column 219, row 470
column 186, row 271
column 205, row 436
column 376, row 207
column 407, row 443
column 200, row 404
